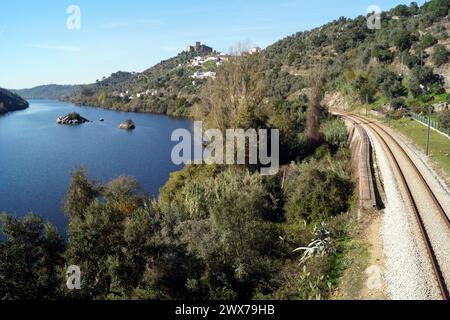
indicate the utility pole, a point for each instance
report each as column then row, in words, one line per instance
column 402, row 65
column 429, row 130
column 367, row 105
column 389, row 112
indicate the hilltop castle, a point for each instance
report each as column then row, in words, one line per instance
column 199, row 47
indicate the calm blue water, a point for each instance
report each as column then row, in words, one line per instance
column 37, row 155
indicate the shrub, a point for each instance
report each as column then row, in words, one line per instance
column 438, row 8
column 423, row 79
column 382, row 54
column 427, row 41
column 31, row 258
column 444, row 119
column 335, row 132
column 440, row 55
column 234, row 241
column 400, row 113
column 316, row 193
column 397, row 103
column 402, row 39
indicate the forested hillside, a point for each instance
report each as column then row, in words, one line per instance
column 166, row 88
column 47, row 92
column 11, row 102
column 403, row 64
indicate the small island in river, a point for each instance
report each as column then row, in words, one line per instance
column 127, row 125
column 72, row 119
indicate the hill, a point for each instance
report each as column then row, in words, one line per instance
column 47, row 92
column 404, row 63
column 170, row 87
column 11, row 102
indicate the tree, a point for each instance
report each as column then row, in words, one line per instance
column 414, row 8
column 364, row 88
column 402, row 39
column 121, row 193
column 423, row 79
column 31, row 259
column 99, row 216
column 440, row 55
column 438, row 8
column 382, row 54
column 313, row 135
column 118, row 243
column 235, row 98
column 80, row 194
column 427, row 41
column 401, row 10
column 234, row 242
column 390, row 84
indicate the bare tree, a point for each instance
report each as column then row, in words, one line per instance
column 316, row 84
column 235, row 99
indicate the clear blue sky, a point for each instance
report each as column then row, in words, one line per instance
column 37, row 48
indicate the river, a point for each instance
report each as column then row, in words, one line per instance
column 37, row 155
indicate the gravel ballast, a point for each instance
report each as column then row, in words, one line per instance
column 408, row 273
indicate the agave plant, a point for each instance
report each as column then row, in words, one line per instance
column 319, row 247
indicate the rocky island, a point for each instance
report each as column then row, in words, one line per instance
column 72, row 119
column 127, row 125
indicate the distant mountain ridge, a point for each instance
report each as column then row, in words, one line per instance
column 11, row 102
column 47, row 92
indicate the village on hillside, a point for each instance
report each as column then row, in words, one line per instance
column 202, row 67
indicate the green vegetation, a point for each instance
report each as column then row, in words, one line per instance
column 225, row 232
column 11, row 102
column 218, row 232
column 31, row 259
column 362, row 62
column 174, row 91
column 358, row 61
column 47, row 92
column 439, row 146
column 440, row 55
column 204, row 238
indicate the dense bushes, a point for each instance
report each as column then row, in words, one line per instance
column 318, row 191
column 234, row 243
column 31, row 259
column 424, row 80
column 335, row 133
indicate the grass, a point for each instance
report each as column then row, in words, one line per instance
column 439, row 145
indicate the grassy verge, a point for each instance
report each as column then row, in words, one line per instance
column 417, row 133
column 439, row 145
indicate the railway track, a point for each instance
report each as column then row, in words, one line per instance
column 383, row 136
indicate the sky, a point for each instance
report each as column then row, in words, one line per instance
column 37, row 47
